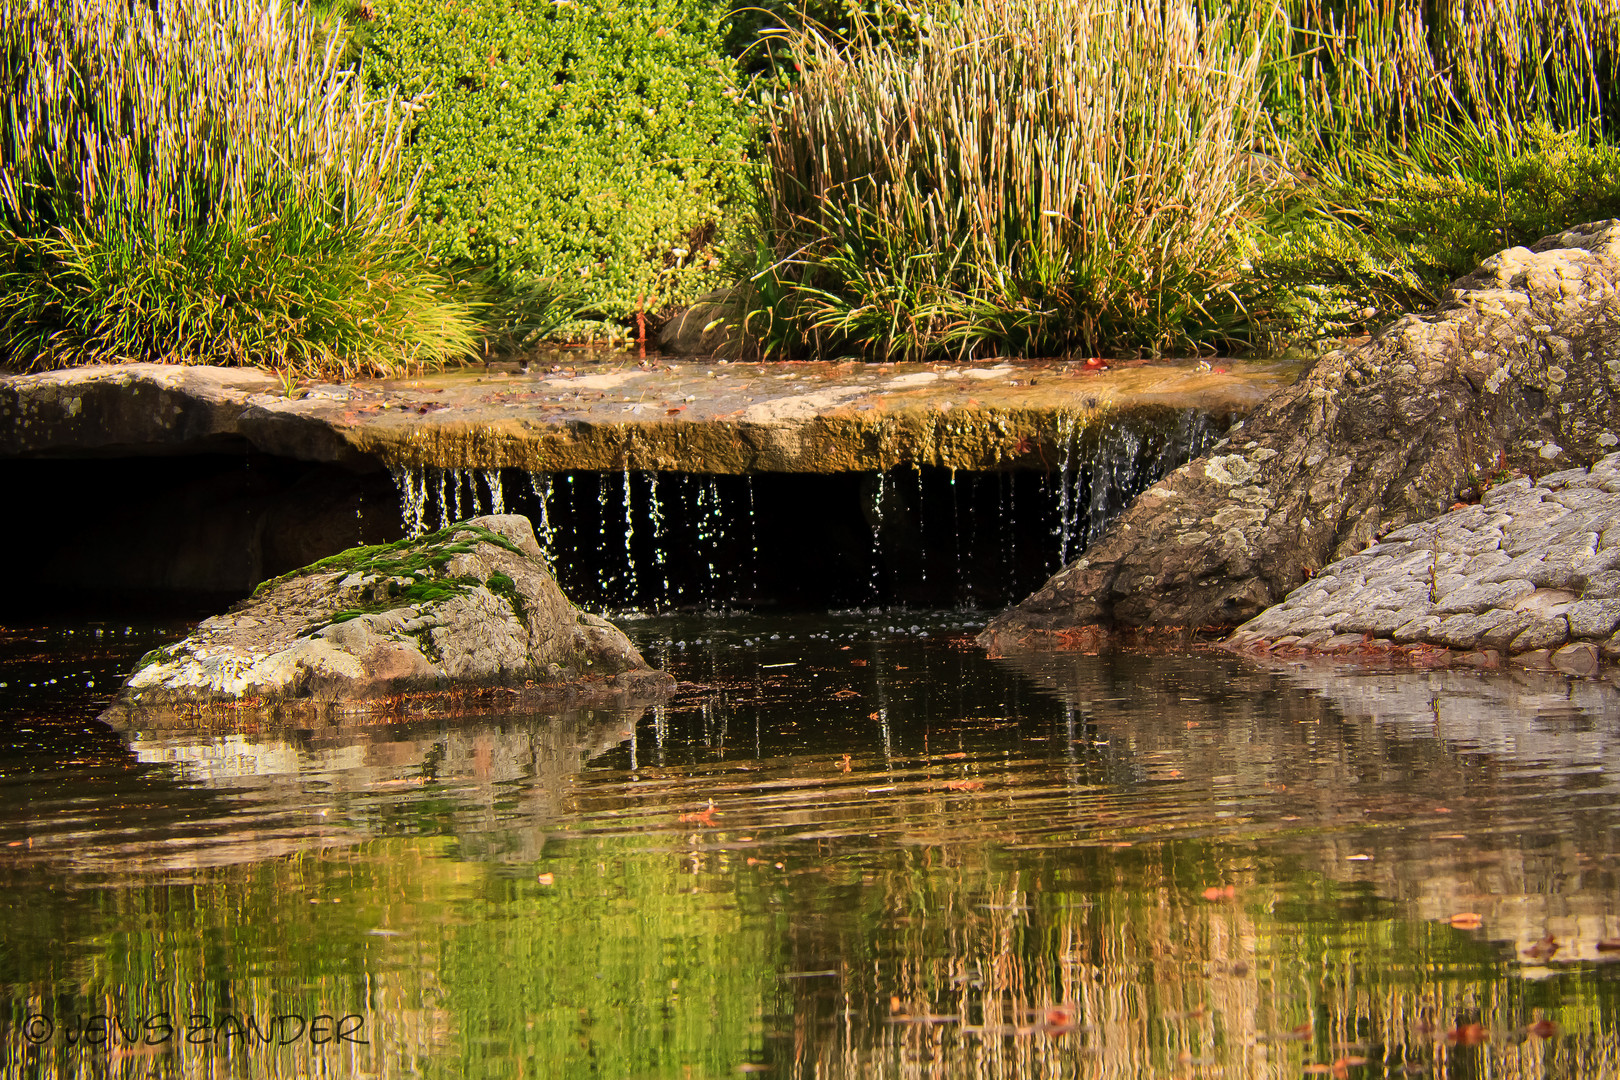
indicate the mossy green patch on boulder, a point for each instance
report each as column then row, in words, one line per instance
column 472, row 607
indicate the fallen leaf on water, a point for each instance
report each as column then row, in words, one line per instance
column 874, row 716
column 1542, row 949
column 856, row 663
column 545, row 879
column 846, row 693
column 1542, row 1029
column 1220, row 892
column 1468, row 1034
column 964, row 785
column 1467, row 920
column 843, row 764
column 1302, row 1031
column 702, row 817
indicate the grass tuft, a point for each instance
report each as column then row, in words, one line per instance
column 1035, row 176
column 204, row 181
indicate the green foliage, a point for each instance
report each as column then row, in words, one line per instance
column 1424, row 137
column 1349, row 73
column 1037, row 177
column 1031, row 177
column 201, row 181
column 595, row 143
column 414, row 556
column 1391, row 230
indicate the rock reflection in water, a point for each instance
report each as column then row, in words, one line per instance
column 230, row 796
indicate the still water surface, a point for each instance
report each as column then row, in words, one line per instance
column 852, row 846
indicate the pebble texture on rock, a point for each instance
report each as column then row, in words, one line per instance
column 469, row 607
column 1519, row 367
column 1532, row 571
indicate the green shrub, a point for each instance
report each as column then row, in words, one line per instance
column 1039, row 176
column 200, row 181
column 1425, row 136
column 585, row 147
column 1391, row 230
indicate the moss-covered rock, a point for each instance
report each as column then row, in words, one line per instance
column 470, row 608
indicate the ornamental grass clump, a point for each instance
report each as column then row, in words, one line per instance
column 1033, row 177
column 202, row 181
column 1428, row 135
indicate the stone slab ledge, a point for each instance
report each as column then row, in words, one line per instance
column 1528, row 576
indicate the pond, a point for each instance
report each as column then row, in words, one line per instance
column 851, row 846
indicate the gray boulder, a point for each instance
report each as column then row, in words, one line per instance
column 1517, row 369
column 467, row 610
column 1454, row 583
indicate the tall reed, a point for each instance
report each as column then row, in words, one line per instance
column 1404, row 70
column 1037, row 176
column 203, row 181
column 1428, row 134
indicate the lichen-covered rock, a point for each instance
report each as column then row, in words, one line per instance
column 1518, row 368
column 1450, row 583
column 468, row 608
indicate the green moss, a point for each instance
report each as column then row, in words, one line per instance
column 161, row 655
column 403, row 558
column 420, row 593
column 507, row 589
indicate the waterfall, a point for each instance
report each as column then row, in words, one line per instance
column 877, row 537
column 633, row 539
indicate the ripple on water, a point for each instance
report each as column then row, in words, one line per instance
column 840, row 852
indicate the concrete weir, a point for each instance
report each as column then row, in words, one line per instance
column 621, row 413
column 651, row 484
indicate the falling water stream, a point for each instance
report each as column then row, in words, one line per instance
column 654, row 541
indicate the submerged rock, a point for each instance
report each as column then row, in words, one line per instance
column 1517, row 369
column 469, row 608
column 1532, row 572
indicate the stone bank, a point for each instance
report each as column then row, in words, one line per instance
column 1531, row 574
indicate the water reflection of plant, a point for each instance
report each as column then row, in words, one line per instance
column 626, row 965
column 1108, row 964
